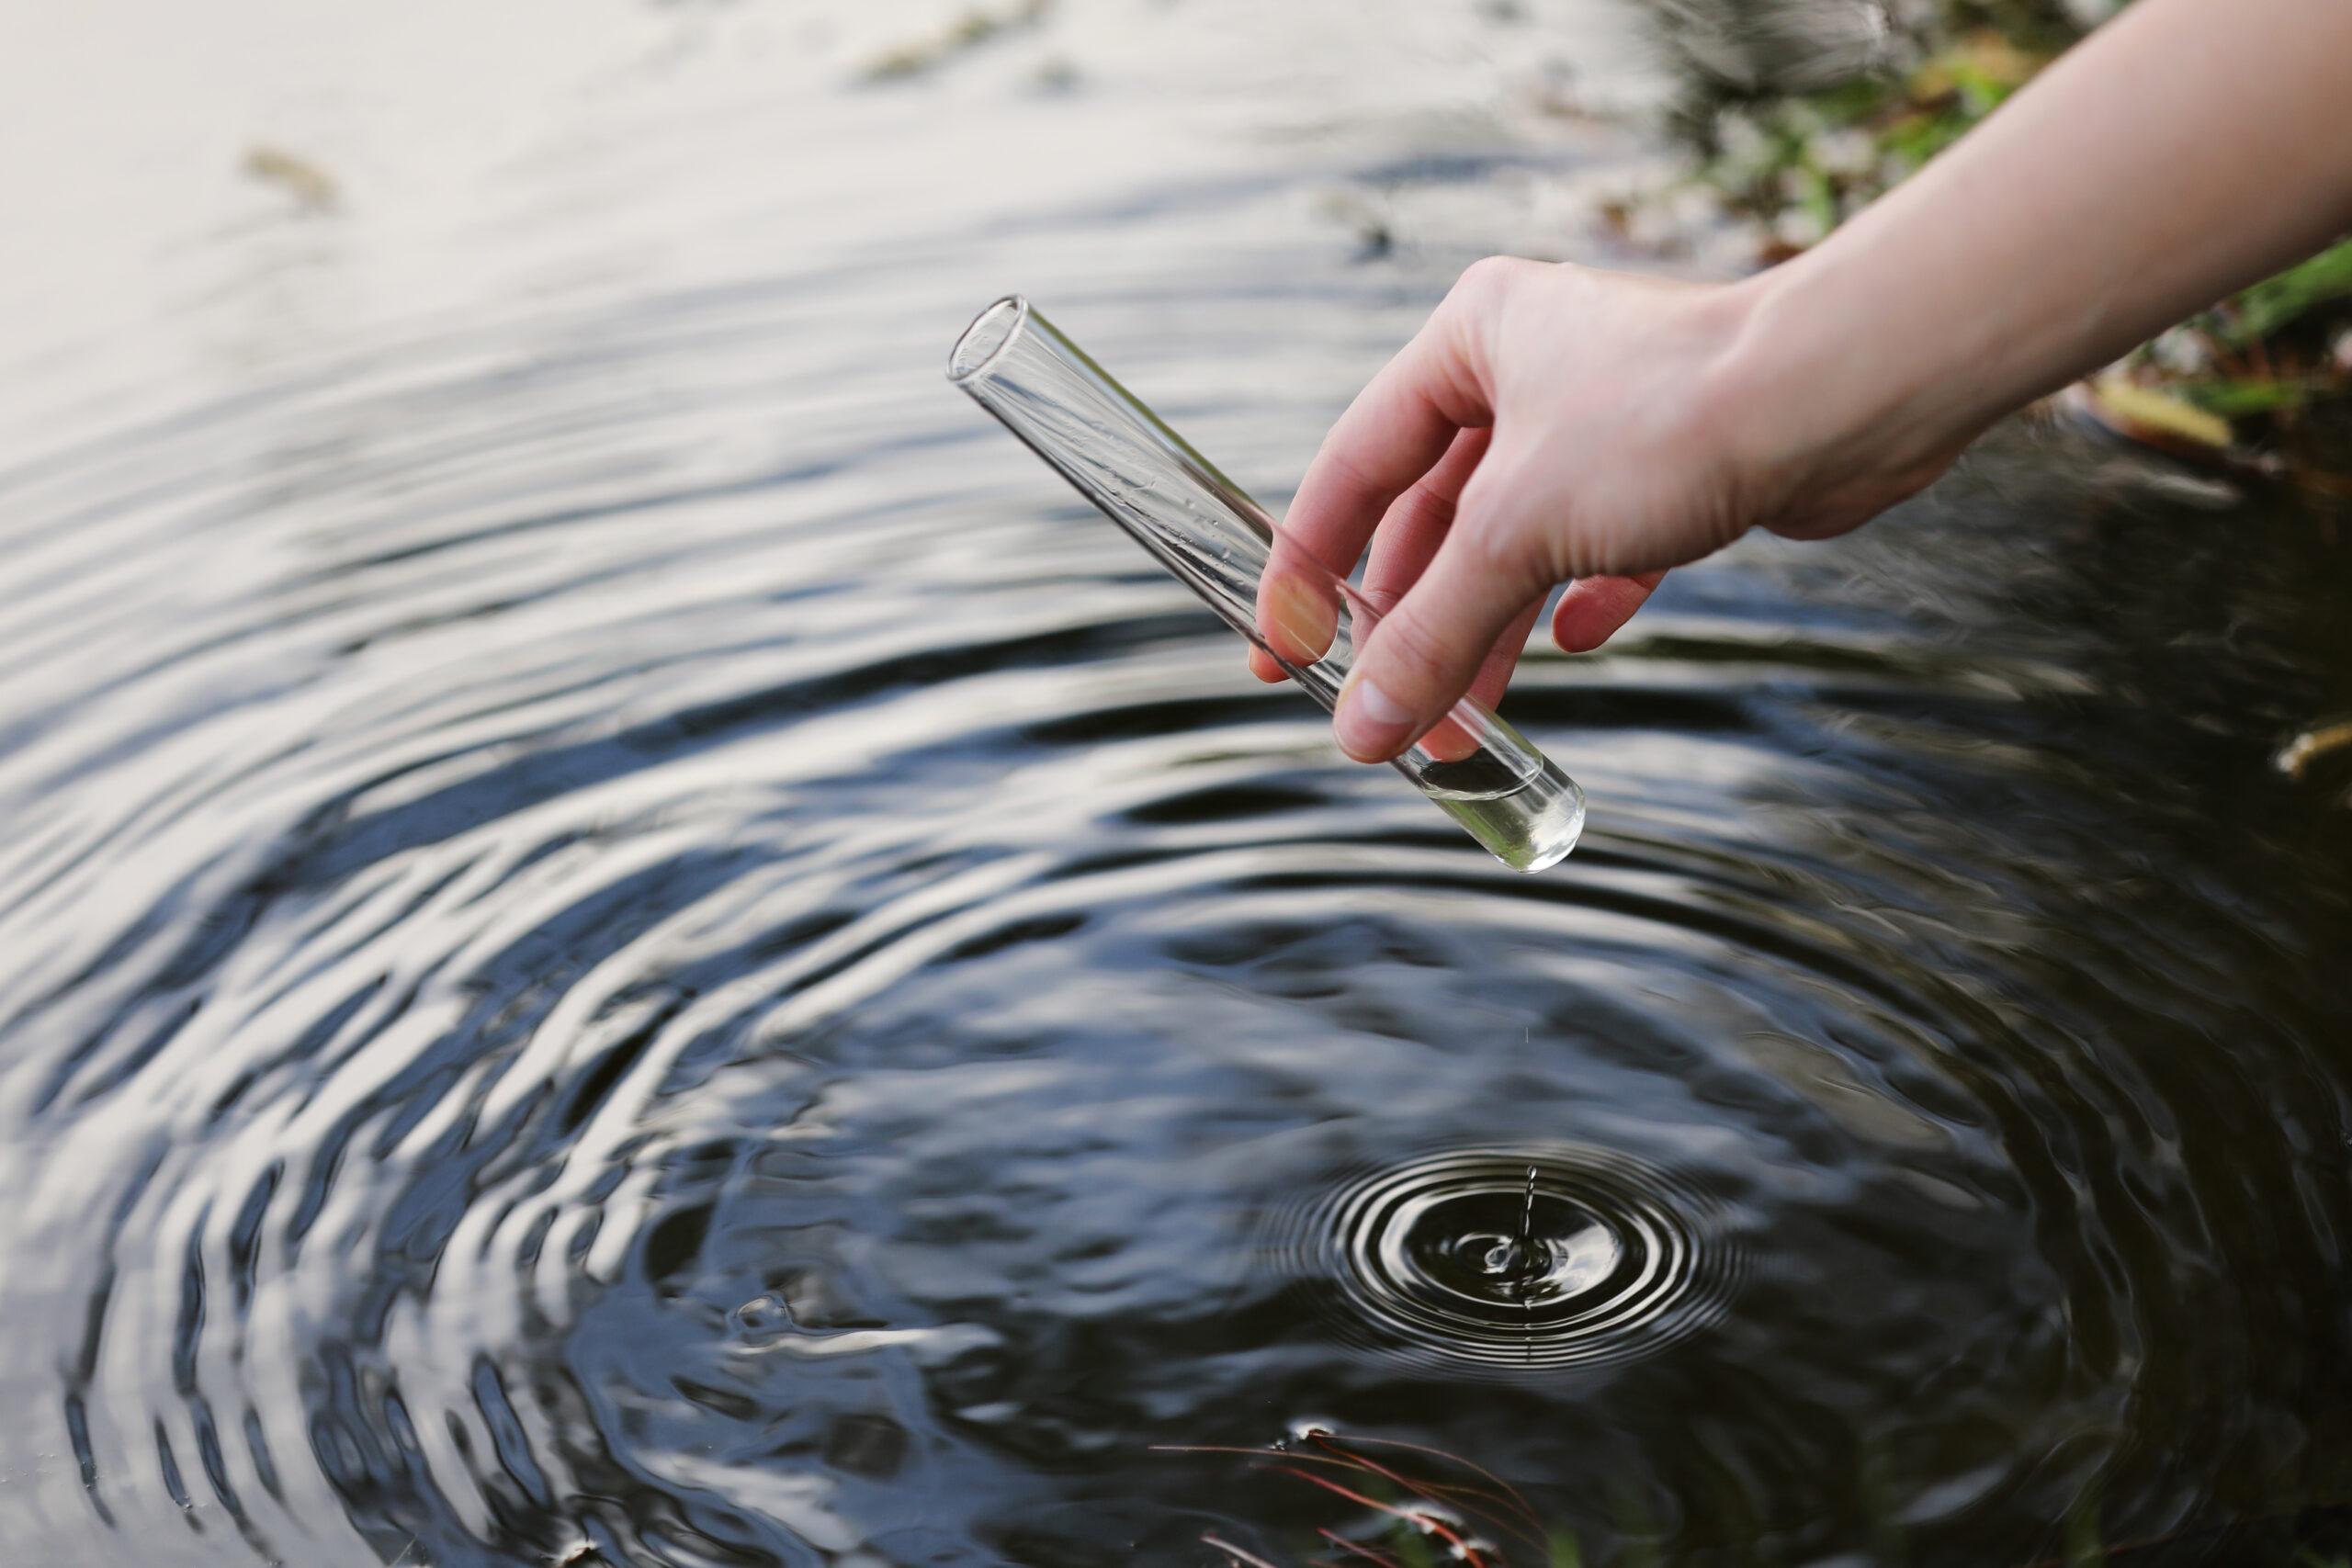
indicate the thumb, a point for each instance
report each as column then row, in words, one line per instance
column 1424, row 654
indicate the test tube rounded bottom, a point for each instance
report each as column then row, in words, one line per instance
column 1528, row 827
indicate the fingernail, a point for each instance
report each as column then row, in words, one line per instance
column 1300, row 622
column 1371, row 725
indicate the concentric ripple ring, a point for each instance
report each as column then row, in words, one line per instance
column 1545, row 1258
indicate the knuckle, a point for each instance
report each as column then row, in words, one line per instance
column 1425, row 506
column 1589, row 552
column 1336, row 463
column 1477, row 298
column 1620, row 529
column 1343, row 453
column 1487, row 278
column 1338, row 488
column 1605, row 555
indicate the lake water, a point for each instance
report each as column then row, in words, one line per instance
column 626, row 936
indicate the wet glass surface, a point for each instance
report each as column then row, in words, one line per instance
column 626, row 937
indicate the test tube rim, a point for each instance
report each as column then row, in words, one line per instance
column 960, row 373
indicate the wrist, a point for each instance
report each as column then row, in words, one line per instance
column 1836, row 401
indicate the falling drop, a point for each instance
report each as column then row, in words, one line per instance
column 1529, row 1266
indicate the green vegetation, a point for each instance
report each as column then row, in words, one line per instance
column 1799, row 165
column 2261, row 383
column 2271, row 369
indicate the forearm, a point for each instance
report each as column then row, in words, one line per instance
column 2185, row 150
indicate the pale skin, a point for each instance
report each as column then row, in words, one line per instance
column 1555, row 423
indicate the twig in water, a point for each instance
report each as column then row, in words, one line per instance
column 1248, row 1559
column 1465, row 1550
column 1438, row 1492
column 2297, row 755
column 1503, row 1489
column 1360, row 1548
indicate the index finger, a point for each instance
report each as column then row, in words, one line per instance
column 1394, row 432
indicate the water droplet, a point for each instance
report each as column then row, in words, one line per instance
column 761, row 1316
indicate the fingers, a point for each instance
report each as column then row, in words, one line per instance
column 1298, row 621
column 1415, row 524
column 1494, row 675
column 1400, row 427
column 1593, row 608
column 1407, row 432
column 1441, row 636
column 1298, row 608
column 1408, row 541
column 1448, row 742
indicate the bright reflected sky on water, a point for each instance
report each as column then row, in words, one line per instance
column 544, row 749
column 539, row 154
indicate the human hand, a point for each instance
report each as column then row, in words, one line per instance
column 1550, row 424
column 1555, row 423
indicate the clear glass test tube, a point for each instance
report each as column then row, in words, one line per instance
column 1223, row 547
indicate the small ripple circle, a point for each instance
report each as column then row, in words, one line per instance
column 1543, row 1257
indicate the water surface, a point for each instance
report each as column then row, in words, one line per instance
column 623, row 932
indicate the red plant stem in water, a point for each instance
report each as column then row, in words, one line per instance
column 1435, row 1492
column 1438, row 1527
column 1502, row 1488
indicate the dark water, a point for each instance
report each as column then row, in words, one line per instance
column 625, row 935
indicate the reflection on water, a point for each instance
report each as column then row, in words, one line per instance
column 620, row 934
